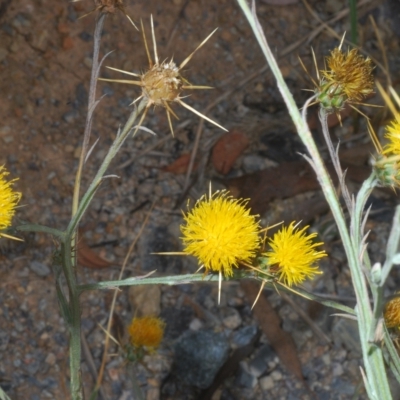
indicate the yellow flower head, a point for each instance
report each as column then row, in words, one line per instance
column 220, row 232
column 393, row 135
column 386, row 164
column 146, row 332
column 347, row 79
column 8, row 200
column 293, row 256
column 391, row 313
column 163, row 83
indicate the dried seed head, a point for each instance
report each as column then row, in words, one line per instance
column 162, row 83
column 108, row 7
column 347, row 79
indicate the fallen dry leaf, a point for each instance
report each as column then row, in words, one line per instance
column 88, row 258
column 226, row 151
column 180, row 165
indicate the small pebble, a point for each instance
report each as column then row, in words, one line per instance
column 195, row 325
column 244, row 377
column 233, row 319
column 39, row 268
column 337, row 369
column 70, row 116
column 266, row 383
column 276, row 375
column 50, row 359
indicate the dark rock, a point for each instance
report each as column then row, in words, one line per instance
column 244, row 377
column 199, row 356
column 85, row 36
column 116, row 388
column 178, row 320
column 259, row 364
column 244, row 336
column 343, row 386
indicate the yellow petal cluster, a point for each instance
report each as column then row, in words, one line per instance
column 392, row 148
column 220, row 232
column 146, row 332
column 387, row 163
column 8, row 200
column 293, row 255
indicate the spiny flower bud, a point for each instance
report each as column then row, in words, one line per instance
column 387, row 170
column 391, row 313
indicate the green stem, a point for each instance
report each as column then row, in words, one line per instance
column 91, row 106
column 74, row 290
column 118, row 142
column 40, row 229
column 323, row 116
column 353, row 21
column 392, row 246
column 161, row 280
column 3, row 395
column 357, row 215
column 74, row 326
column 313, row 297
column 376, row 382
column 89, row 117
column 137, row 391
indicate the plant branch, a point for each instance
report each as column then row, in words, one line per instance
column 376, row 383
